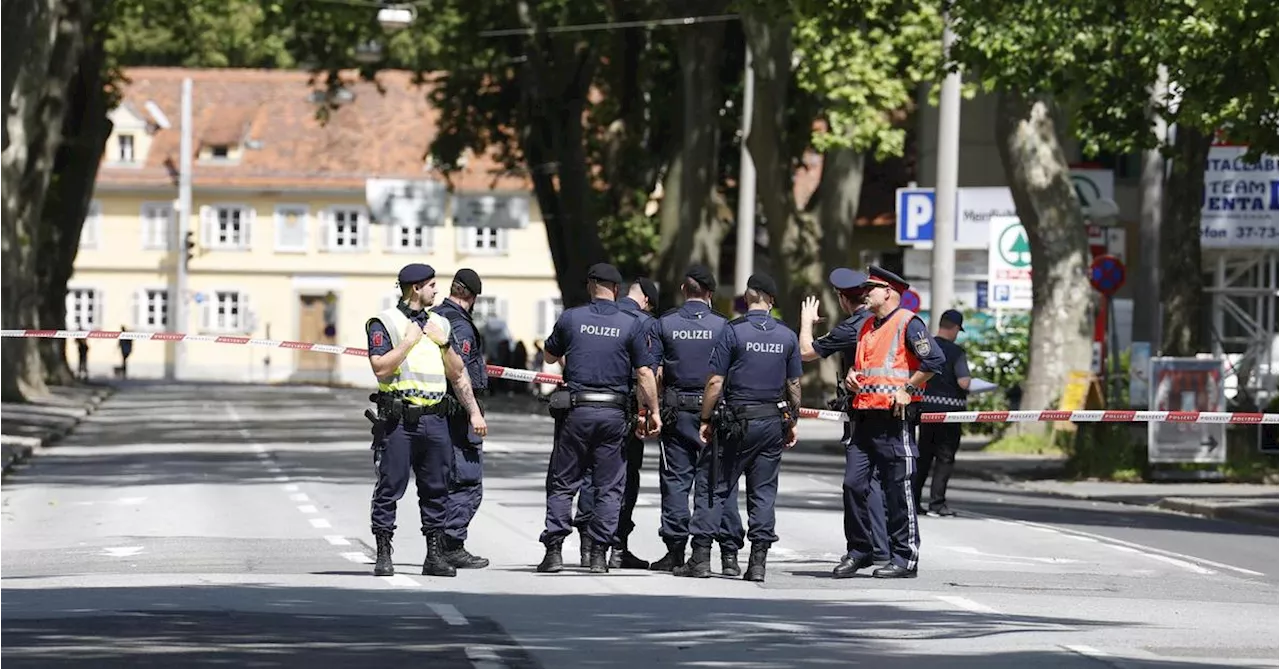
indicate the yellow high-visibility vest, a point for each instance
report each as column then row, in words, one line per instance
column 420, row 379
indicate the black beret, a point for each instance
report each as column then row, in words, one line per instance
column 763, row 283
column 650, row 290
column 603, row 271
column 702, row 274
column 415, row 273
column 468, row 277
column 881, row 275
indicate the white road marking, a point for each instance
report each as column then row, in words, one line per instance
column 123, row 501
column 969, row 550
column 967, row 604
column 449, row 613
column 307, row 508
column 274, row 469
column 299, row 497
column 319, row 523
column 402, row 580
column 1148, row 551
column 291, row 487
column 1094, row 653
column 337, row 540
column 483, row 657
column 358, row 558
column 122, row 551
column 282, row 478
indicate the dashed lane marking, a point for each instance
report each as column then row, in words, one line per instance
column 337, row 540
column 449, row 613
column 968, row 604
column 319, row 523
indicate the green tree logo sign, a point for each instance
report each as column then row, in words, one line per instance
column 1013, row 246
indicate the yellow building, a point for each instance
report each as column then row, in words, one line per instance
column 285, row 246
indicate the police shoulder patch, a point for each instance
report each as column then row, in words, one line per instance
column 466, row 346
column 922, row 346
column 377, row 339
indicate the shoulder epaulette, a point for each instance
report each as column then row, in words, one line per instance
column 670, row 311
column 740, row 319
column 717, row 313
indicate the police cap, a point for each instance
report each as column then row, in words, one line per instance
column 469, row 279
column 415, row 273
column 763, row 283
column 702, row 274
column 650, row 290
column 843, row 278
column 954, row 317
column 879, row 275
column 603, row 271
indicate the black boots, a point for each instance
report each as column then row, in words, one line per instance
column 384, row 566
column 435, row 564
column 584, row 548
column 553, row 561
column 729, row 562
column 599, row 559
column 698, row 566
column 674, row 557
column 458, row 556
column 755, row 567
column 622, row 558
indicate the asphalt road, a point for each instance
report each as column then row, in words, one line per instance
column 228, row 526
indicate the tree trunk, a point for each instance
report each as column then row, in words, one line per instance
column 1040, row 180
column 836, row 203
column 85, row 130
column 1182, row 280
column 27, row 41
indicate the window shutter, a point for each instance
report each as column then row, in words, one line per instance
column 206, row 312
column 248, row 320
column 502, row 311
column 248, row 216
column 148, row 226
column 98, row 318
column 429, row 238
column 71, row 312
column 138, row 308
column 324, row 221
column 463, row 238
column 208, row 233
column 363, row 230
column 502, row 240
column 390, row 239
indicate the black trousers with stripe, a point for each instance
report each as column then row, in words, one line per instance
column 884, row 444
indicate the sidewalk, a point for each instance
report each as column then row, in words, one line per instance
column 24, row 428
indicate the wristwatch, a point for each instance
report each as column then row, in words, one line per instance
column 911, row 390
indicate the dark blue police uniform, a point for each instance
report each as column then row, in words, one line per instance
column 688, row 334
column 940, row 441
column 843, row 339
column 885, row 443
column 601, row 345
column 756, row 355
column 466, row 480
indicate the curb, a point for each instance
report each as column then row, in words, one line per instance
column 26, row 447
column 1249, row 516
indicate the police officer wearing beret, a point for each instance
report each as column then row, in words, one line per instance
column 411, row 428
column 466, row 487
column 843, row 339
column 756, row 365
column 640, row 300
column 895, row 358
column 687, row 335
column 601, row 345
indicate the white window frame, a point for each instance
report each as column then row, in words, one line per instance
column 399, row 232
column 360, row 236
column 94, row 301
column 157, row 237
column 244, row 322
column 127, row 156
column 304, row 216
column 470, row 238
column 499, row 309
column 92, row 230
column 549, row 310
column 142, row 303
column 211, row 226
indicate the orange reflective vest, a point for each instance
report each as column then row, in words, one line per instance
column 883, row 362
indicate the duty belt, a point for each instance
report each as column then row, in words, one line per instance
column 754, row 411
column 684, row 401
column 591, row 398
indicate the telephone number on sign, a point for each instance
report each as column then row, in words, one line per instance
column 1257, row 232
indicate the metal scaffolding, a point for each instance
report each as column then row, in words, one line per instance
column 1245, row 291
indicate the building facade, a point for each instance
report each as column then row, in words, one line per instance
column 284, row 246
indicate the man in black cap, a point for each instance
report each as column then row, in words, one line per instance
column 687, row 335
column 601, row 346
column 843, row 339
column 640, row 301
column 466, row 487
column 411, row 428
column 756, row 365
column 895, row 358
column 946, row 391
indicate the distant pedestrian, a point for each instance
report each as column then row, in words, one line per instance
column 126, row 348
column 82, row 348
column 946, row 391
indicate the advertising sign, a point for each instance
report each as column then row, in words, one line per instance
column 1241, row 207
column 1009, row 265
column 1186, row 384
column 406, row 201
column 1139, row 369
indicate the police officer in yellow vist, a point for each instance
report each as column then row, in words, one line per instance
column 895, row 358
column 411, row 356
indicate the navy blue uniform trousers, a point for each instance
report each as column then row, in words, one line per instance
column 884, row 444
column 466, row 487
column 759, row 456
column 587, row 438
column 685, row 463
column 423, row 451
column 633, row 456
column 875, row 501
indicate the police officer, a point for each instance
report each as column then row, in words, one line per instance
column 687, row 335
column 466, row 487
column 411, row 428
column 895, row 358
column 601, row 345
column 946, row 391
column 843, row 339
column 756, row 365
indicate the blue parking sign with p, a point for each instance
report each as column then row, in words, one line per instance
column 914, row 208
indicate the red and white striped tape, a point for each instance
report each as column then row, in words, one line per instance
column 528, row 376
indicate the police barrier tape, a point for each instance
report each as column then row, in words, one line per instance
column 528, row 376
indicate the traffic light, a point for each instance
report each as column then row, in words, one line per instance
column 191, row 245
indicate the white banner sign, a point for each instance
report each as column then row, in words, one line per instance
column 491, row 210
column 1009, row 265
column 1241, row 207
column 404, row 201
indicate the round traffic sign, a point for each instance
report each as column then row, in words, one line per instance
column 1106, row 274
column 910, row 300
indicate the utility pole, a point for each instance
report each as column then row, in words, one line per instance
column 745, row 257
column 180, row 227
column 942, row 274
column 1147, row 316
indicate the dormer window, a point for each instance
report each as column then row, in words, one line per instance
column 125, row 144
column 220, row 151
